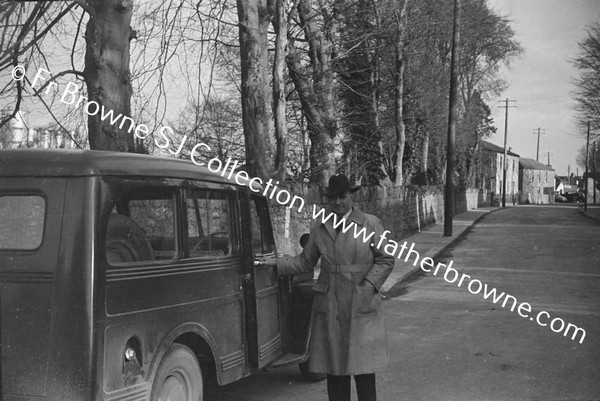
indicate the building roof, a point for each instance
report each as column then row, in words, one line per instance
column 495, row 148
column 531, row 164
column 83, row 163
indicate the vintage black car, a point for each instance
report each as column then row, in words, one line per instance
column 576, row 197
column 132, row 277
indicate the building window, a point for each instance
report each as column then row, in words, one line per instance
column 546, row 179
column 538, row 176
column 531, row 173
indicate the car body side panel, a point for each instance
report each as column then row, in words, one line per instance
column 27, row 282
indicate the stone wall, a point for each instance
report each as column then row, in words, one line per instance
column 403, row 211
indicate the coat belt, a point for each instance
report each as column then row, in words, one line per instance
column 332, row 269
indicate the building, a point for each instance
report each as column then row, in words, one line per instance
column 559, row 184
column 14, row 134
column 491, row 175
column 19, row 134
column 537, row 182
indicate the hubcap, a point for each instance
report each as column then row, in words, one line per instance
column 175, row 388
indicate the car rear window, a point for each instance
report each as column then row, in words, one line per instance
column 21, row 221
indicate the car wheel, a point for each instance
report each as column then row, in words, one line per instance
column 178, row 377
column 311, row 376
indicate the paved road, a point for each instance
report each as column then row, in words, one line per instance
column 448, row 344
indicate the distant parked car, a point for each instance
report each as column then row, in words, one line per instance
column 559, row 198
column 575, row 197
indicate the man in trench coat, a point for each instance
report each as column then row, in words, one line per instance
column 348, row 329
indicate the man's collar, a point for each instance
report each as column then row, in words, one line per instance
column 348, row 214
column 356, row 216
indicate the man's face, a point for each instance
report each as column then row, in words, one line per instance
column 340, row 204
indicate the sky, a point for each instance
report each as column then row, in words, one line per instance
column 541, row 79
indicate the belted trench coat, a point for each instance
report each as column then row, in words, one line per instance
column 348, row 334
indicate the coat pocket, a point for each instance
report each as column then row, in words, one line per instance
column 320, row 289
column 365, row 301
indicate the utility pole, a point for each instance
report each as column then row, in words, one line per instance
column 594, row 170
column 548, row 154
column 452, row 117
column 539, row 132
column 505, row 141
column 587, row 152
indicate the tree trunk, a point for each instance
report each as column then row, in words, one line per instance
column 399, row 100
column 425, row 156
column 107, row 75
column 255, row 89
column 322, row 162
column 279, row 105
column 317, row 99
column 399, row 117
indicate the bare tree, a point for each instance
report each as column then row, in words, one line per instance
column 587, row 95
column 281, row 23
column 314, row 82
column 23, row 30
column 400, row 128
column 106, row 71
column 253, row 21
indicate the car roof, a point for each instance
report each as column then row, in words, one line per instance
column 84, row 163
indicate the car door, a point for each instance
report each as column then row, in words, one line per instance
column 261, row 284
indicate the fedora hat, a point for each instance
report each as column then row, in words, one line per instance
column 338, row 184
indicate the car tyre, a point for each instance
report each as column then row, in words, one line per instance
column 178, row 376
column 311, row 376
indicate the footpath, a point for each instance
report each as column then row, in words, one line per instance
column 593, row 212
column 431, row 242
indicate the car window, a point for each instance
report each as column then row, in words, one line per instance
column 209, row 217
column 262, row 235
column 142, row 226
column 21, row 221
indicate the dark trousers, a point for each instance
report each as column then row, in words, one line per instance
column 338, row 387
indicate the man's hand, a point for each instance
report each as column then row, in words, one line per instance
column 266, row 261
